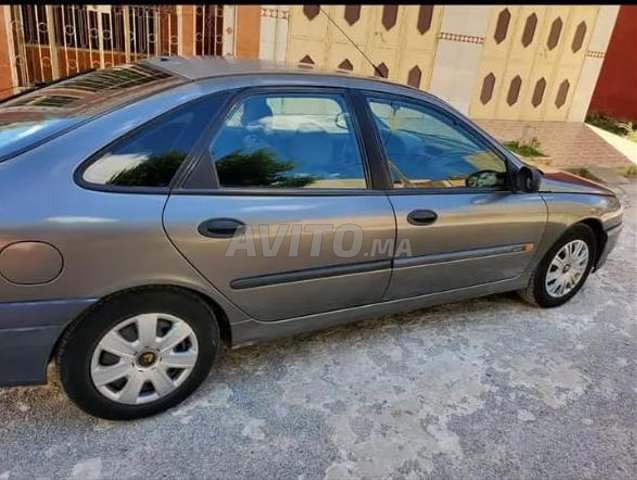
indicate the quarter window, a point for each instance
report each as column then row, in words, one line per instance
column 426, row 150
column 288, row 141
column 153, row 154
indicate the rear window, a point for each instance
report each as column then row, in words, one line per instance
column 16, row 136
column 33, row 117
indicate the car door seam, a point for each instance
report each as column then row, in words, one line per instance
column 393, row 246
column 180, row 253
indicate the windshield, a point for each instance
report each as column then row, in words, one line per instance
column 30, row 118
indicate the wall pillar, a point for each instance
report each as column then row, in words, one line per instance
column 229, row 30
column 273, row 43
column 458, row 55
column 186, row 28
column 593, row 62
column 247, row 36
column 8, row 80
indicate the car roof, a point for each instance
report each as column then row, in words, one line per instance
column 83, row 97
column 203, row 68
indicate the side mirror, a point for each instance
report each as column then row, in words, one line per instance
column 341, row 121
column 527, row 179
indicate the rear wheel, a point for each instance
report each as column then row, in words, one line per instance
column 139, row 353
column 563, row 270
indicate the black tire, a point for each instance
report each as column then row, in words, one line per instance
column 76, row 348
column 536, row 292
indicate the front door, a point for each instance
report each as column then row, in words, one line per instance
column 458, row 223
column 291, row 226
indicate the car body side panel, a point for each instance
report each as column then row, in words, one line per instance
column 612, row 236
column 109, row 241
column 28, row 332
column 252, row 331
column 477, row 238
column 272, row 216
column 114, row 241
column 566, row 209
column 563, row 211
column 558, row 181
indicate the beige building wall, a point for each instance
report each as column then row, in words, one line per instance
column 400, row 40
column 458, row 54
column 531, row 61
column 593, row 61
column 273, row 42
column 518, row 62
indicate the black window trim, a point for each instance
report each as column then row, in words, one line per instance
column 367, row 95
column 200, row 152
column 78, row 174
column 203, row 152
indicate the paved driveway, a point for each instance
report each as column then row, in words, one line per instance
column 568, row 144
column 480, row 389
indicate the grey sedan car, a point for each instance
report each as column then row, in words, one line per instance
column 152, row 212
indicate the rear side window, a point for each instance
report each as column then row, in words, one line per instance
column 294, row 140
column 151, row 156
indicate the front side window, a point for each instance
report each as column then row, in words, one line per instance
column 288, row 141
column 153, row 154
column 426, row 150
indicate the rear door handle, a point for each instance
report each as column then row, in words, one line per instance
column 422, row 217
column 221, row 227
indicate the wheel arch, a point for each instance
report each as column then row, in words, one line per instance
column 596, row 229
column 225, row 329
column 600, row 235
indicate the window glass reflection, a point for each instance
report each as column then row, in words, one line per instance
column 425, row 150
column 288, row 141
column 152, row 156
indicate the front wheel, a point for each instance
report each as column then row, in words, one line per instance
column 563, row 270
column 138, row 354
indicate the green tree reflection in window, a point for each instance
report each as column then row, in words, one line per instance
column 258, row 169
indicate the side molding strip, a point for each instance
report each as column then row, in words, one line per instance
column 461, row 255
column 337, row 270
column 309, row 274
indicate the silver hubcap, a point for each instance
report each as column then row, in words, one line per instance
column 567, row 268
column 144, row 358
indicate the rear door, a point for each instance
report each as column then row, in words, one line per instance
column 458, row 223
column 280, row 213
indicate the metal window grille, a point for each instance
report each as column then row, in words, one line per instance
column 54, row 41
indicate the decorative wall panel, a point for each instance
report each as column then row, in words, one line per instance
column 399, row 39
column 535, row 61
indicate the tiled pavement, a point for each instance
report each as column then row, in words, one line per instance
column 568, row 144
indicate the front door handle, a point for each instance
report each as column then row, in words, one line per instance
column 422, row 217
column 221, row 227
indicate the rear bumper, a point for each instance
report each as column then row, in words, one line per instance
column 28, row 332
column 612, row 235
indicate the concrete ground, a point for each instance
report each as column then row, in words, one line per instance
column 489, row 388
